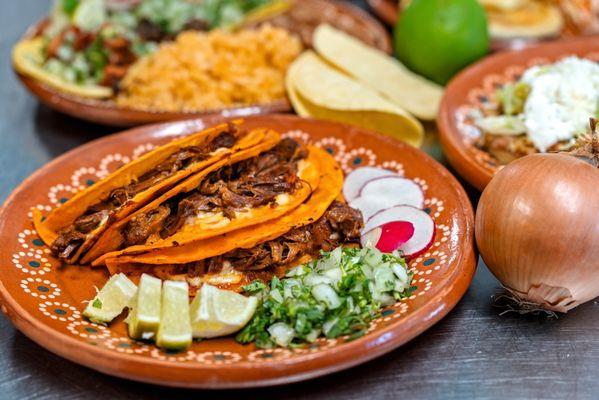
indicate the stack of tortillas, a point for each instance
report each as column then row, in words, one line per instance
column 347, row 81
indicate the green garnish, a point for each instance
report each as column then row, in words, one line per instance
column 97, row 303
column 337, row 295
column 69, row 6
column 254, row 287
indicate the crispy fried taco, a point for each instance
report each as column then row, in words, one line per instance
column 231, row 194
column 73, row 228
column 321, row 222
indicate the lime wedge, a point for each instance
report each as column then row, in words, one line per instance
column 174, row 331
column 144, row 316
column 216, row 312
column 110, row 301
column 90, row 15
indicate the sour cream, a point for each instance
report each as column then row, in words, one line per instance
column 562, row 98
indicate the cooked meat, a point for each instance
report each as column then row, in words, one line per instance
column 339, row 225
column 67, row 243
column 196, row 25
column 225, row 139
column 87, row 223
column 149, row 31
column 250, row 183
column 142, row 226
column 71, row 237
column 507, row 148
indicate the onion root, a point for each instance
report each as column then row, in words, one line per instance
column 509, row 300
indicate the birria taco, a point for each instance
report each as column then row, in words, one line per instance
column 232, row 194
column 321, row 222
column 73, row 228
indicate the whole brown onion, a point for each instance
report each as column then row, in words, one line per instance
column 537, row 227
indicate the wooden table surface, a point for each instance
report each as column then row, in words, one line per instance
column 472, row 353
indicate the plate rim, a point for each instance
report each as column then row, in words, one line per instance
column 451, row 136
column 356, row 352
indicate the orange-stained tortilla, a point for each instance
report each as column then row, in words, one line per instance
column 111, row 239
column 308, row 172
column 331, row 182
column 65, row 214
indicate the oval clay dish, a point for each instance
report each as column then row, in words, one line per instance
column 302, row 18
column 45, row 300
column 474, row 89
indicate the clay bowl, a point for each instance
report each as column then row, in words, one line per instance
column 307, row 13
column 475, row 87
column 44, row 299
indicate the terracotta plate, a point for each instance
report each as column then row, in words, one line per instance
column 385, row 10
column 475, row 87
column 45, row 300
column 305, row 16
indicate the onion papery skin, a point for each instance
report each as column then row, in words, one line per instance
column 537, row 229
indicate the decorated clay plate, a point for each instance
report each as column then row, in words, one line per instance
column 302, row 19
column 44, row 299
column 474, row 89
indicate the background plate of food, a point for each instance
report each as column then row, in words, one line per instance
column 517, row 23
column 342, row 245
column 518, row 103
column 133, row 62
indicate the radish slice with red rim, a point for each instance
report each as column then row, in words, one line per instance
column 424, row 227
column 358, row 177
column 388, row 237
column 394, row 190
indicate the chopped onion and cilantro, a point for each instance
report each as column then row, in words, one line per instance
column 550, row 104
column 339, row 294
column 72, row 22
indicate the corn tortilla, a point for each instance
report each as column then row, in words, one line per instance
column 27, row 58
column 320, row 91
column 379, row 72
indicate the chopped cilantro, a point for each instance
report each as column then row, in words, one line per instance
column 254, row 287
column 337, row 295
column 97, row 303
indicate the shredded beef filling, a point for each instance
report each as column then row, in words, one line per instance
column 340, row 225
column 246, row 184
column 73, row 236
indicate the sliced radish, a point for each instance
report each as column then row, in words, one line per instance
column 370, row 206
column 424, row 227
column 388, row 237
column 394, row 190
column 358, row 177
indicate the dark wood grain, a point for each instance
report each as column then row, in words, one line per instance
column 472, row 353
